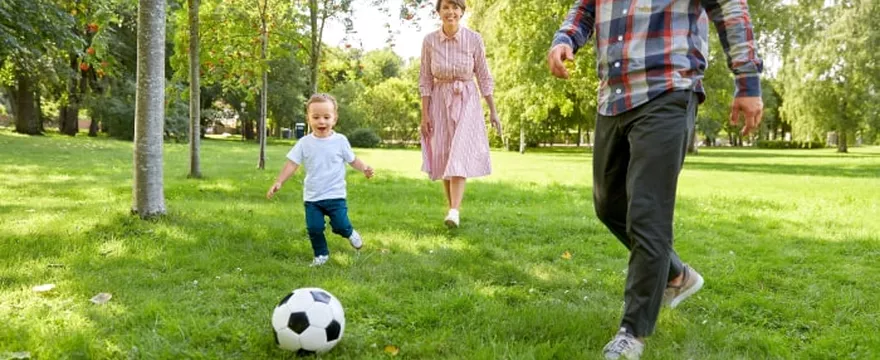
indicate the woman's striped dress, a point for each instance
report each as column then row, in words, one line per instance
column 458, row 146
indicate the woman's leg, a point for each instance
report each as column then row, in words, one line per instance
column 446, row 189
column 456, row 191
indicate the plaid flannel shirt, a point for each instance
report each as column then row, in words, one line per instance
column 647, row 47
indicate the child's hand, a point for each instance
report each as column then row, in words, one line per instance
column 368, row 172
column 272, row 190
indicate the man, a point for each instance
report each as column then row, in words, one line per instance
column 651, row 55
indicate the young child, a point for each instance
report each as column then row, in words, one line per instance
column 323, row 153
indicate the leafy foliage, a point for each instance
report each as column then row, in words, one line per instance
column 364, row 138
column 830, row 83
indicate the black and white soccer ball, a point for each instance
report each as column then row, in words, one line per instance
column 308, row 320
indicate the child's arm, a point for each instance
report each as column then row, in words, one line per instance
column 364, row 168
column 286, row 172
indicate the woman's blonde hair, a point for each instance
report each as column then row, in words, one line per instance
column 459, row 3
column 320, row 98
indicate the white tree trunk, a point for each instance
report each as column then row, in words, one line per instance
column 149, row 121
column 315, row 54
column 261, row 127
column 195, row 132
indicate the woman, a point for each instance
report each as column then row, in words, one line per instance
column 454, row 142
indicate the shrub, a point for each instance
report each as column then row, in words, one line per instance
column 781, row 144
column 115, row 110
column 364, row 138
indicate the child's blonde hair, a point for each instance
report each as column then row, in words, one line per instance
column 319, row 98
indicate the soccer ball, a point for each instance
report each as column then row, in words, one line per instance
column 308, row 320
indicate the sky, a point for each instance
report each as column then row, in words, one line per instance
column 369, row 23
column 371, row 33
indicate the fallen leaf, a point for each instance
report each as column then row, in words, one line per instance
column 392, row 350
column 101, row 298
column 43, row 288
column 566, row 255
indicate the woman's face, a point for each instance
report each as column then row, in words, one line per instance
column 450, row 13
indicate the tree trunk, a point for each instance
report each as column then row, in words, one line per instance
column 841, row 142
column 316, row 46
column 148, row 192
column 522, row 137
column 38, row 108
column 68, row 119
column 692, row 143
column 24, row 103
column 579, row 136
column 248, row 127
column 195, row 104
column 93, row 128
column 261, row 128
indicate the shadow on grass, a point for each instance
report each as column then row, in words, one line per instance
column 848, row 170
column 728, row 152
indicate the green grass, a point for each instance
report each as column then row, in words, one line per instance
column 787, row 240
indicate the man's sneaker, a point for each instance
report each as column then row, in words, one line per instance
column 691, row 282
column 451, row 219
column 623, row 346
column 355, row 240
column 319, row 260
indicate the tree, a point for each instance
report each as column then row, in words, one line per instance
column 195, row 118
column 264, row 83
column 380, row 65
column 32, row 34
column 517, row 34
column 393, row 109
column 85, row 63
column 350, row 116
column 148, row 191
column 831, row 83
column 324, row 11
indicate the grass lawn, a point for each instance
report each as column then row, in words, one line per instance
column 787, row 240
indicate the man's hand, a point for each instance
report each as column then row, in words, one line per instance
column 272, row 190
column 751, row 109
column 556, row 60
column 368, row 172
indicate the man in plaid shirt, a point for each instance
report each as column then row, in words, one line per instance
column 651, row 55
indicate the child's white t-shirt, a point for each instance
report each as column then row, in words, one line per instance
column 324, row 161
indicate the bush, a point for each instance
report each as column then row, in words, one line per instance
column 364, row 138
column 781, row 144
column 115, row 110
column 176, row 114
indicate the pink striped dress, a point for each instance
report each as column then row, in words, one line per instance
column 458, row 146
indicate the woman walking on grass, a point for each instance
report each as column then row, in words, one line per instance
column 453, row 133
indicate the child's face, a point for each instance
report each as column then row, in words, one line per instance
column 322, row 118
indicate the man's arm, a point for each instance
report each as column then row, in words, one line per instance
column 571, row 36
column 578, row 25
column 731, row 19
